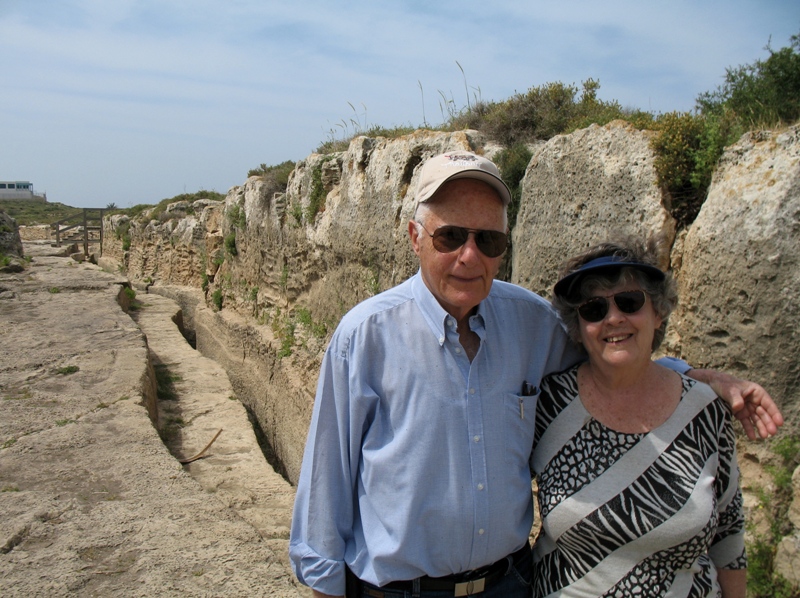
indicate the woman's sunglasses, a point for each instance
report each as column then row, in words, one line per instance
column 491, row 243
column 596, row 308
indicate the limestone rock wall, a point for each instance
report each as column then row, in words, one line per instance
column 292, row 263
column 266, row 275
column 180, row 245
column 36, row 232
column 338, row 233
column 10, row 242
column 739, row 279
column 278, row 270
column 580, row 189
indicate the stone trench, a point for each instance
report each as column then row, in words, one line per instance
column 99, row 500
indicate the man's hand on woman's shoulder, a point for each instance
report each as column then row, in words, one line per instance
column 751, row 403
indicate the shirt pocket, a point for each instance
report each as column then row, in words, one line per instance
column 519, row 419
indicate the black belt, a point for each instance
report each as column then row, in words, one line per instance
column 466, row 583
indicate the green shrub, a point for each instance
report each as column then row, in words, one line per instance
column 677, row 147
column 283, row 282
column 303, row 316
column 719, row 131
column 28, row 213
column 283, row 328
column 159, row 208
column 316, row 198
column 230, row 244
column 331, row 146
column 192, row 197
column 679, row 139
column 297, row 214
column 216, row 298
column 165, row 383
column 513, row 163
column 278, row 174
column 761, row 94
column 762, row 581
column 539, row 114
column 136, row 210
column 237, row 217
column 122, row 232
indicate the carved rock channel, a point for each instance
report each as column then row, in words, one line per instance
column 94, row 503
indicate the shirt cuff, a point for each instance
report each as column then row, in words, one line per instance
column 318, row 573
column 729, row 553
column 675, row 364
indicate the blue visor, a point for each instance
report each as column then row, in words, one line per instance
column 568, row 287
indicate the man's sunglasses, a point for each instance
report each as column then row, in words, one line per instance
column 596, row 308
column 446, row 239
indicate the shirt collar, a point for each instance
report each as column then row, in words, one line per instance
column 435, row 315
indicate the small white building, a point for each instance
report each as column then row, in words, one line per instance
column 20, row 190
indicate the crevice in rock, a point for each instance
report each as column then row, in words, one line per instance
column 186, row 332
column 266, row 448
column 170, row 416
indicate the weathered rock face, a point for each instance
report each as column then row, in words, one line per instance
column 280, row 269
column 10, row 243
column 179, row 245
column 596, row 184
column 35, row 232
column 339, row 234
column 740, row 276
column 285, row 267
column 739, row 283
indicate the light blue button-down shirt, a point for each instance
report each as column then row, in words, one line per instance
column 417, row 461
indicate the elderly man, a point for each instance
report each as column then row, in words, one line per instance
column 415, row 479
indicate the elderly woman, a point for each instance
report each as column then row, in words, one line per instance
column 638, row 480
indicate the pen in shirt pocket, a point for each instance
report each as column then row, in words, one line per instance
column 528, row 390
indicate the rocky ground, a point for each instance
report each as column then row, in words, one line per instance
column 93, row 502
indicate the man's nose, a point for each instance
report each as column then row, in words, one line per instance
column 469, row 251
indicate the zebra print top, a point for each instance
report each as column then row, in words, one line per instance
column 648, row 514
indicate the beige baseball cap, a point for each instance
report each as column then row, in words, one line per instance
column 438, row 170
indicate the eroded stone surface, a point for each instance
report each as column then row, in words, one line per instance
column 93, row 502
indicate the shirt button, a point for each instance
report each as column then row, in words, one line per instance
column 458, row 350
column 480, row 486
column 441, row 339
column 480, row 532
column 472, row 391
column 476, row 438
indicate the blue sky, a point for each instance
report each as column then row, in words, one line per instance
column 133, row 101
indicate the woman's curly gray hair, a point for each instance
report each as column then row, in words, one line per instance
column 663, row 294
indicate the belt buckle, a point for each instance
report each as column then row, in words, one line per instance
column 467, row 588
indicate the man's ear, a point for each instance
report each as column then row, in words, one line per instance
column 413, row 234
